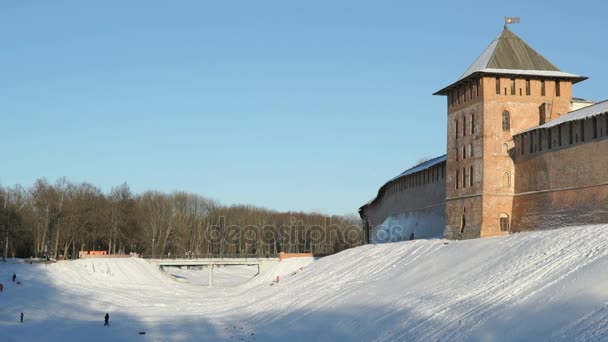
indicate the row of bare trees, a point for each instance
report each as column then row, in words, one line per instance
column 61, row 219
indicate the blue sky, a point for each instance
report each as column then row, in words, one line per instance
column 291, row 105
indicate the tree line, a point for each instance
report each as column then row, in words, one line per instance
column 64, row 218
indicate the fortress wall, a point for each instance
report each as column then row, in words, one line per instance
column 419, row 210
column 560, row 187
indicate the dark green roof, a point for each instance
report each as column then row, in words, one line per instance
column 512, row 52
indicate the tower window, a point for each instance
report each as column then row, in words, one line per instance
column 464, row 178
column 463, row 223
column 506, row 121
column 557, row 88
column 472, row 123
column 457, row 179
column 497, row 85
column 504, row 222
column 456, row 128
column 542, row 88
column 471, row 176
column 512, row 86
column 464, row 126
column 527, row 87
column 470, row 148
column 464, row 152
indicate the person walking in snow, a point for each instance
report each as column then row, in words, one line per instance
column 107, row 319
column 1, row 287
column 22, row 317
column 14, row 277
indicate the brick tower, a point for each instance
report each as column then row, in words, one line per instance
column 508, row 89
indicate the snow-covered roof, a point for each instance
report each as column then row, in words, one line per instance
column 420, row 167
column 579, row 99
column 580, row 114
column 544, row 73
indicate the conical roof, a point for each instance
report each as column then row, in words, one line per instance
column 510, row 55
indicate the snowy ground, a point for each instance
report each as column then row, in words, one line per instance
column 548, row 285
column 223, row 276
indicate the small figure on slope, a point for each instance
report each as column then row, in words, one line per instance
column 14, row 277
column 1, row 287
column 107, row 319
column 22, row 317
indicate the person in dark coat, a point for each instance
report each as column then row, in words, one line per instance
column 107, row 319
column 14, row 277
column 22, row 317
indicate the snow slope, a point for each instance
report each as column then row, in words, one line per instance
column 546, row 285
column 224, row 276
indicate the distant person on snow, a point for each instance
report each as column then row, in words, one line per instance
column 107, row 319
column 14, row 277
column 22, row 317
column 1, row 287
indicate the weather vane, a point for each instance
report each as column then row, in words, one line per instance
column 511, row 20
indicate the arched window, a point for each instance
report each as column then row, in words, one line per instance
column 506, row 180
column 506, row 121
column 505, row 149
column 504, row 222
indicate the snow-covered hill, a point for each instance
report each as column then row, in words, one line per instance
column 547, row 285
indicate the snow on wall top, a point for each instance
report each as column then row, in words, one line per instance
column 420, row 167
column 579, row 114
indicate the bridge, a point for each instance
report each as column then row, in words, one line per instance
column 263, row 264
